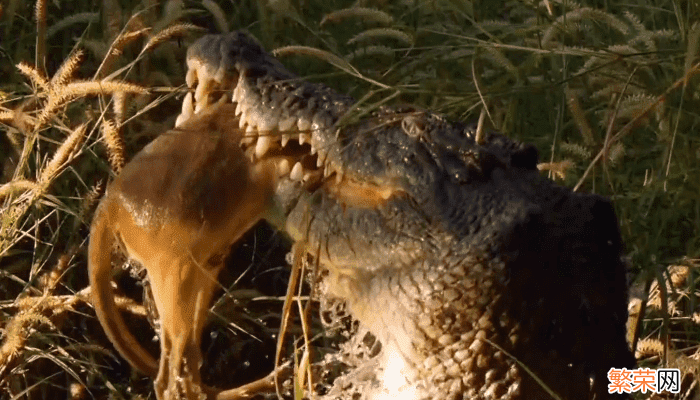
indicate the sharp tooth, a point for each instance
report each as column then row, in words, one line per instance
column 327, row 171
column 283, row 167
column 285, row 139
column 242, row 121
column 250, row 153
column 286, row 124
column 200, row 92
column 191, row 76
column 188, row 104
column 338, row 176
column 201, row 104
column 180, row 120
column 234, row 95
column 303, row 138
column 238, row 93
column 249, row 136
column 239, row 84
column 263, row 145
column 187, row 109
column 297, row 172
column 313, row 149
column 321, row 159
column 303, row 124
column 239, row 108
column 248, row 140
column 307, row 176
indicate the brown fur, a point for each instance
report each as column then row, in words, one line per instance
column 176, row 208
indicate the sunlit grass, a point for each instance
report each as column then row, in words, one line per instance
column 608, row 95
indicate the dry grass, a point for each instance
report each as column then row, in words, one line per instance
column 608, row 95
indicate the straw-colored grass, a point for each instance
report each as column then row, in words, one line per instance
column 608, row 94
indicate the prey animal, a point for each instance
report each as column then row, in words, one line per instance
column 480, row 278
column 172, row 209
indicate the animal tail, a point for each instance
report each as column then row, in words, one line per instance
column 100, row 271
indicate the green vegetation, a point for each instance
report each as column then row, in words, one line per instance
column 609, row 94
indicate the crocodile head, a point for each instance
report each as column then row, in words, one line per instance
column 472, row 270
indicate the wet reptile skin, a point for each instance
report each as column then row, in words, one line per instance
column 458, row 256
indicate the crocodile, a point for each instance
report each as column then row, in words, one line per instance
column 480, row 278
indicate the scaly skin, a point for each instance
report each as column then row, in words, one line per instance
column 458, row 256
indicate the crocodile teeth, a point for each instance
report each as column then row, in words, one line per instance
column 327, row 171
column 187, row 110
column 283, row 167
column 307, row 176
column 187, row 104
column 180, row 120
column 338, row 176
column 249, row 137
column 239, row 109
column 238, row 92
column 285, row 139
column 297, row 173
column 303, row 138
column 321, row 159
column 200, row 104
column 262, row 146
column 200, row 92
column 191, row 76
column 234, row 95
column 247, row 140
